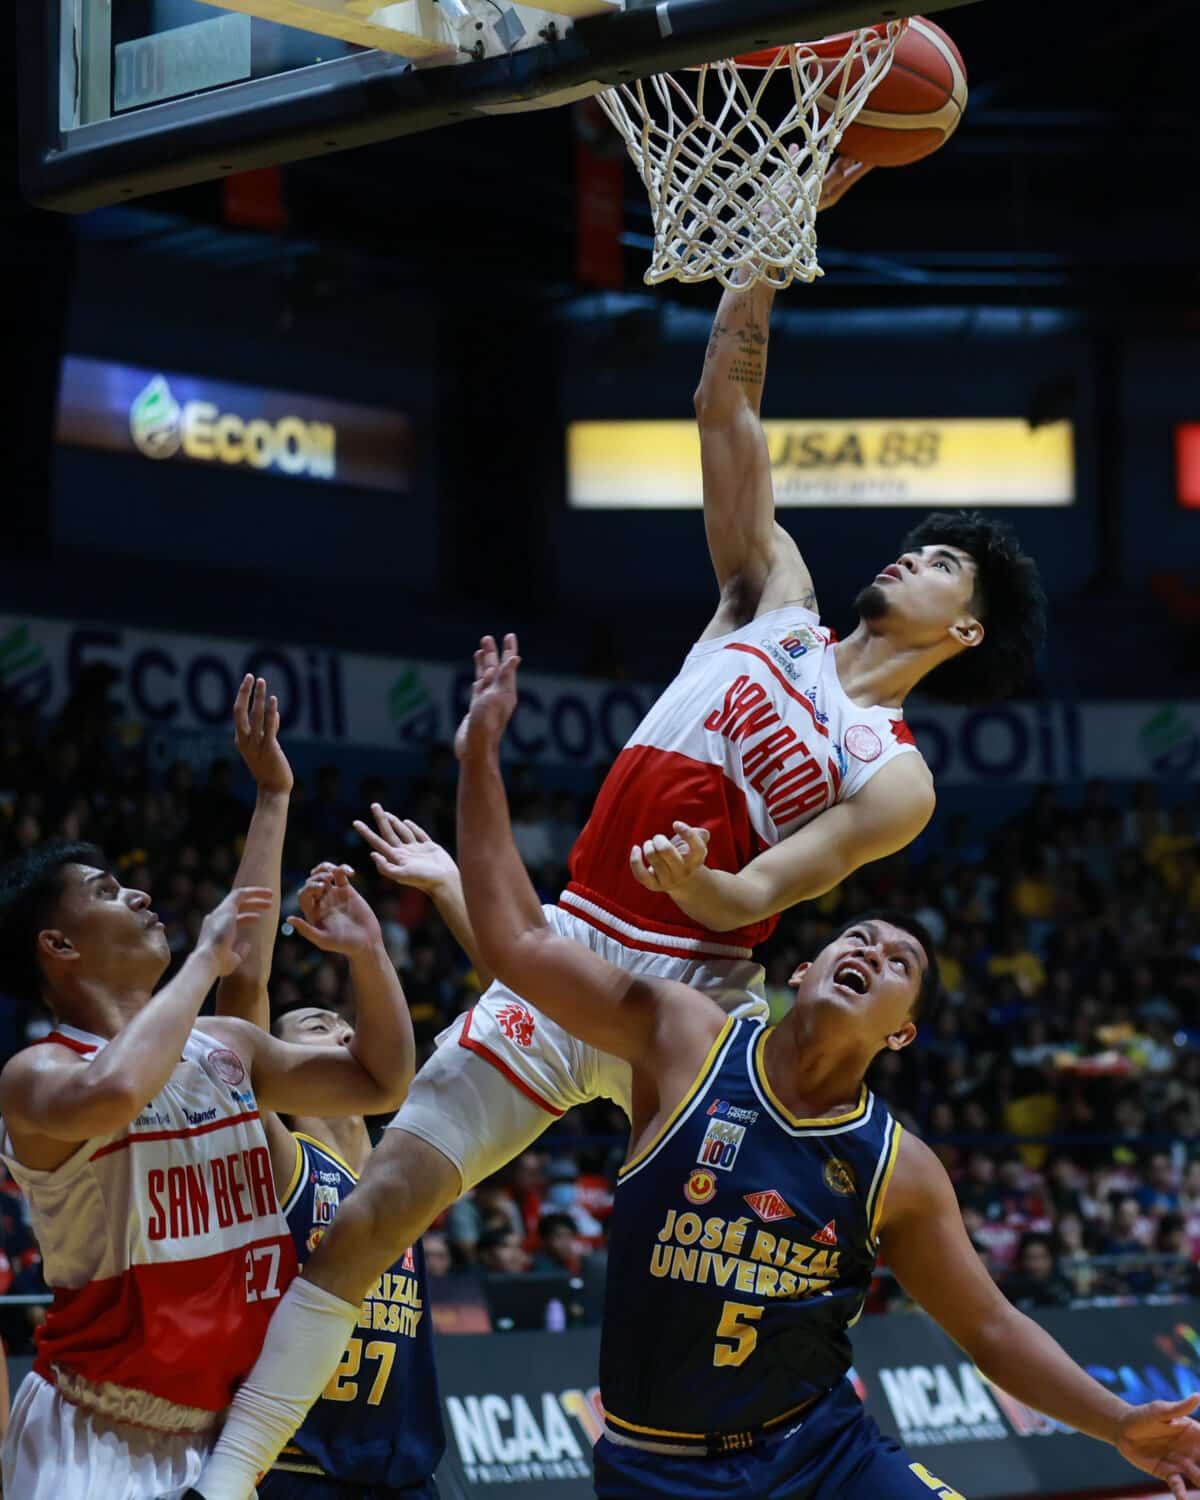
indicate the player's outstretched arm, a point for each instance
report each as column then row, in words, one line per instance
column 369, row 1075
column 48, row 1095
column 757, row 564
column 889, row 812
column 925, row 1244
column 403, row 852
column 591, row 998
column 256, row 734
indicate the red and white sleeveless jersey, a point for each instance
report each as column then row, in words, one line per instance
column 752, row 740
column 163, row 1245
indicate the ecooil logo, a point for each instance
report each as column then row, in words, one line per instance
column 156, row 420
column 1170, row 742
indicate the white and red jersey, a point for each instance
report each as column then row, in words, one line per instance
column 163, row 1245
column 752, row 740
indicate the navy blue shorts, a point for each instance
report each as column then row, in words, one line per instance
column 835, row 1453
column 280, row 1485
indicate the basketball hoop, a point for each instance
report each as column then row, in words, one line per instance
column 730, row 193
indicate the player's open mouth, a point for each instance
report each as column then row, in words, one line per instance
column 853, row 977
column 891, row 572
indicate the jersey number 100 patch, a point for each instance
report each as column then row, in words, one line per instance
column 721, row 1144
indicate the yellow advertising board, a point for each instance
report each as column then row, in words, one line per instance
column 937, row 462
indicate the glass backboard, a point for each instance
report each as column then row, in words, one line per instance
column 125, row 97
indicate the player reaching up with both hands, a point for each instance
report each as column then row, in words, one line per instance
column 134, row 1131
column 782, row 756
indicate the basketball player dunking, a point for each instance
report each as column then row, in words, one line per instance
column 134, row 1132
column 784, row 761
column 762, row 1181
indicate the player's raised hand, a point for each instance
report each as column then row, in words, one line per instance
column 404, row 852
column 1161, row 1439
column 493, row 696
column 840, row 176
column 334, row 917
column 663, row 864
column 256, row 734
column 220, row 932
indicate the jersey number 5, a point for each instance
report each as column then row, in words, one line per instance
column 737, row 1323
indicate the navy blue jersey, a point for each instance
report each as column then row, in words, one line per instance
column 379, row 1419
column 743, row 1242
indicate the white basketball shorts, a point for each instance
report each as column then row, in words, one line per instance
column 504, row 1071
column 55, row 1450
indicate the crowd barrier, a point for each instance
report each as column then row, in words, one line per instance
column 522, row 1409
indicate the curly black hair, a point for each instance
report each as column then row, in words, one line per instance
column 30, row 887
column 1009, row 602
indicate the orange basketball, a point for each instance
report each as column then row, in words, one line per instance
column 918, row 105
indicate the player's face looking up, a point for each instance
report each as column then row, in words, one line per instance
column 870, row 976
column 103, row 932
column 309, row 1026
column 925, row 595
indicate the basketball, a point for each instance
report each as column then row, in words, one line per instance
column 917, row 107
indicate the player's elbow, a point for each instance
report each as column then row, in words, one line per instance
column 992, row 1340
column 718, row 407
column 104, row 1106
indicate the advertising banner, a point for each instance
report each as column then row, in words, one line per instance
column 522, row 1410
column 169, row 417
column 929, row 462
column 183, row 686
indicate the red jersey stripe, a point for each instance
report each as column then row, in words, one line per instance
column 172, row 1135
column 781, row 680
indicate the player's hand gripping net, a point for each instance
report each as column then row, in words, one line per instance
column 734, row 197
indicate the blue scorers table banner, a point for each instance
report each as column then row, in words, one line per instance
column 522, row 1410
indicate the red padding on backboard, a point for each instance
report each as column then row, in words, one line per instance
column 1187, row 465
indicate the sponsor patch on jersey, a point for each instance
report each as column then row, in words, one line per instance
column 315, row 1236
column 799, row 641
column 828, row 1235
column 227, row 1066
column 721, row 1144
column 839, row 1177
column 701, row 1186
column 862, row 742
column 770, row 1205
column 727, row 1111
column 409, row 1262
column 516, row 1022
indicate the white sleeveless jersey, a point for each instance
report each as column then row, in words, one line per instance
column 752, row 740
column 164, row 1247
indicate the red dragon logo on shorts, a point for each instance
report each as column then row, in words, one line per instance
column 516, row 1022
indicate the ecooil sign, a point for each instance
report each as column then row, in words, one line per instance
column 165, row 417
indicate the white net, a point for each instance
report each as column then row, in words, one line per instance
column 733, row 196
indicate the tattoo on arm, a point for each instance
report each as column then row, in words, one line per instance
column 714, row 342
column 748, row 366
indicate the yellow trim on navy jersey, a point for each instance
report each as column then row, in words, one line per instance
column 329, row 1152
column 703, row 1437
column 285, row 1198
column 760, row 1073
column 672, row 1119
column 880, row 1187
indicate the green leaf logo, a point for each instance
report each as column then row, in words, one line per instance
column 406, row 695
column 18, row 654
column 155, row 420
column 1170, row 742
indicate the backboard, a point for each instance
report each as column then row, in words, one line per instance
column 125, row 97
